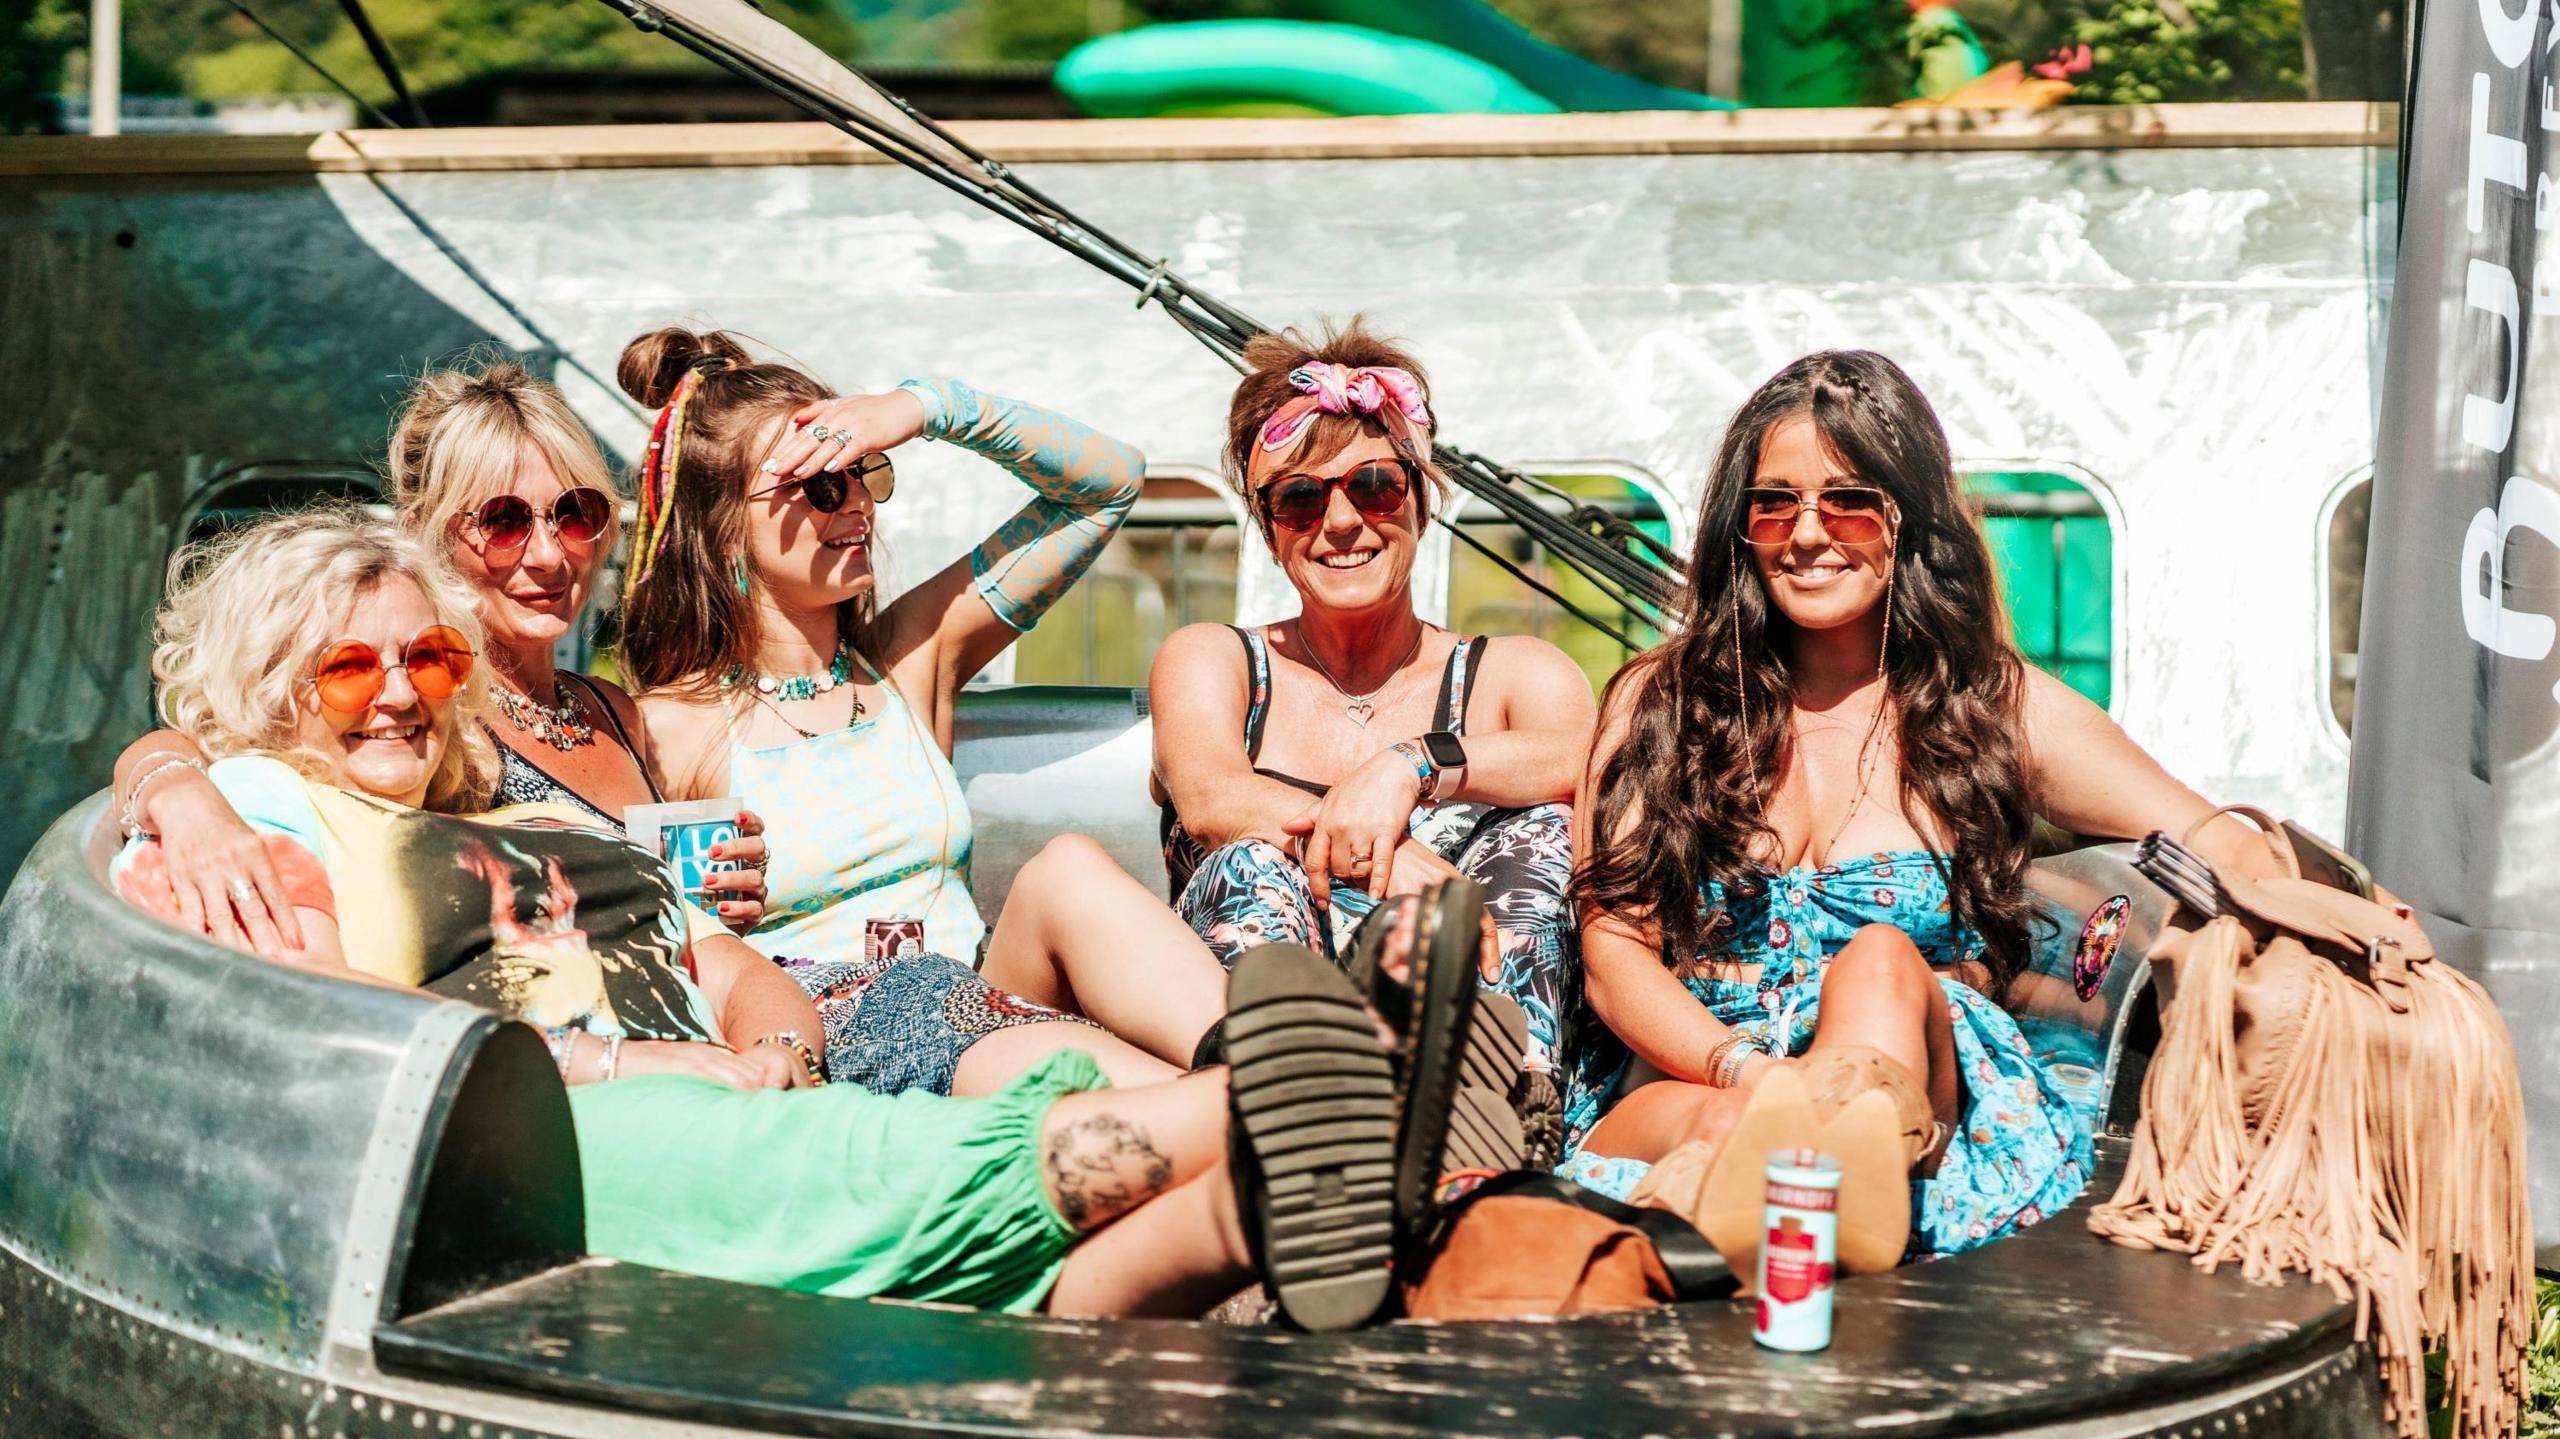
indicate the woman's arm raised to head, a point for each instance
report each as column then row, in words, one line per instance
column 1528, row 737
column 1623, row 974
column 2092, row 779
column 1196, row 693
column 1084, row 484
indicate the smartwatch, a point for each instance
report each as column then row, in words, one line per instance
column 1446, row 755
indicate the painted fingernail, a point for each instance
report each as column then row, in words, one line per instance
column 773, row 467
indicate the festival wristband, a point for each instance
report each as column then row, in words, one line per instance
column 1423, row 769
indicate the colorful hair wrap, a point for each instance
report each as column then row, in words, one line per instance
column 658, row 468
column 1329, row 389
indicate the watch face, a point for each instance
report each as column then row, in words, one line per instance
column 1444, row 749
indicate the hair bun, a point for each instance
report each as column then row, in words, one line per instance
column 652, row 364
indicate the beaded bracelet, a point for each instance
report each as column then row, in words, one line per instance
column 1716, row 1057
column 556, row 1039
column 809, row 1062
column 1733, row 1062
column 130, row 818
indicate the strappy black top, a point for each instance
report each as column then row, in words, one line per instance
column 521, row 781
column 1183, row 854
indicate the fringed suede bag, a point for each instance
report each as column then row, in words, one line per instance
column 2327, row 1099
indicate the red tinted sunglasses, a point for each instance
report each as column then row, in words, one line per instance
column 351, row 674
column 578, row 517
column 1377, row 489
column 1850, row 514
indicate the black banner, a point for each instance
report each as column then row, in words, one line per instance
column 2455, row 796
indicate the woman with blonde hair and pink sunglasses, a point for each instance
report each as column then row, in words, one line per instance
column 489, row 463
column 1312, row 768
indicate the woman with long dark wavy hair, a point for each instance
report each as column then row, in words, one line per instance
column 1802, row 844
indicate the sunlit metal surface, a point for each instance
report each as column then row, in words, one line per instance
column 2192, row 328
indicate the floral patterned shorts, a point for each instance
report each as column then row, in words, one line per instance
column 900, row 1024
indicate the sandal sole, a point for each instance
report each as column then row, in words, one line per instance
column 1875, row 1182
column 1444, row 995
column 1314, row 1103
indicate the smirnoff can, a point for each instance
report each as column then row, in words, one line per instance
column 1799, row 1244
column 899, row 936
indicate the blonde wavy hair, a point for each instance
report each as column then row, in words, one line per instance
column 461, row 433
column 249, row 611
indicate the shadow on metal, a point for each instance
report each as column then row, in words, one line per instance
column 238, row 1199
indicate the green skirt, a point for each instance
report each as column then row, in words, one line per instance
column 832, row 1191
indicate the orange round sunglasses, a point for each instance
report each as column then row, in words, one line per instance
column 351, row 673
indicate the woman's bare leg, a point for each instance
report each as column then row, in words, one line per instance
column 1657, row 1118
column 1078, row 933
column 998, row 1059
column 1177, row 1255
column 1878, row 991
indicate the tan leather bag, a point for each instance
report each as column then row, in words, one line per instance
column 2329, row 1100
column 1532, row 1244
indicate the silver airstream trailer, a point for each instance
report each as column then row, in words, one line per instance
column 240, row 1200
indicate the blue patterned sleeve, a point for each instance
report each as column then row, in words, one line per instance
column 1085, row 484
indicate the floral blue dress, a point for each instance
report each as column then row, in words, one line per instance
column 2021, row 1148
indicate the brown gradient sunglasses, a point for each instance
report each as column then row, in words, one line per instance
column 351, row 673
column 1850, row 514
column 1377, row 489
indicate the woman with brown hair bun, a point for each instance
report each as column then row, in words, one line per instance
column 1803, row 843
column 1312, row 768
column 772, row 673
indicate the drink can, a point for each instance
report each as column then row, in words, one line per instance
column 1799, row 1245
column 687, row 848
column 898, row 936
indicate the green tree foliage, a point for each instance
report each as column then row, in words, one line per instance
column 35, row 35
column 2145, row 52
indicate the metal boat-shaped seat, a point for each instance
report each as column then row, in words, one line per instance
column 238, row 1199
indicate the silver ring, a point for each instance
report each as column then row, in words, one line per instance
column 242, row 891
column 820, row 432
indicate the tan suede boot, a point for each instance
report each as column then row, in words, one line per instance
column 1855, row 1104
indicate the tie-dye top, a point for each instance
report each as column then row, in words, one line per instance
column 1084, row 482
column 866, row 822
column 534, row 911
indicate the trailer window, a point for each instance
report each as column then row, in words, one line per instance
column 1173, row 564
column 2055, row 553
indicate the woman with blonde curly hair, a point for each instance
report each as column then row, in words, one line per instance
column 328, row 664
column 487, row 462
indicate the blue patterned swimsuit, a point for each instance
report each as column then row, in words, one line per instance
column 2021, row 1147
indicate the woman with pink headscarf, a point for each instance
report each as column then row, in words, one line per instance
column 1313, row 768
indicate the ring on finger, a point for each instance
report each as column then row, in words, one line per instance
column 821, row 432
column 241, row 892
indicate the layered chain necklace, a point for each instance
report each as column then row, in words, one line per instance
column 561, row 724
column 1360, row 709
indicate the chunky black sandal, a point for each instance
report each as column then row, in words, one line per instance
column 1499, row 1112
column 1312, row 1142
column 1433, row 1052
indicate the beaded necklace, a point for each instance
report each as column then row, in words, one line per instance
column 562, row 724
column 803, row 687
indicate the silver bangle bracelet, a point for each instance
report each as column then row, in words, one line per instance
column 612, row 1058
column 131, row 817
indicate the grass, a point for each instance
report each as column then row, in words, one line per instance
column 2542, row 1364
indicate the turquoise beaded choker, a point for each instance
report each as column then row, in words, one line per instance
column 808, row 687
